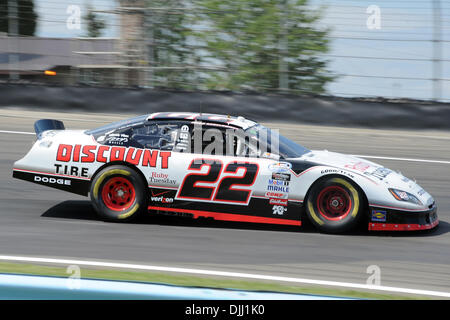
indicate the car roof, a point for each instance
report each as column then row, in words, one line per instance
column 239, row 122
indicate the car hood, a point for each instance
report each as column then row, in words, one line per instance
column 374, row 171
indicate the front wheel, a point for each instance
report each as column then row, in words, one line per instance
column 118, row 194
column 334, row 205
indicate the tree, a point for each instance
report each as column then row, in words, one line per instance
column 94, row 24
column 169, row 53
column 27, row 17
column 262, row 45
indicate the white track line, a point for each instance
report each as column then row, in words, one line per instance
column 403, row 159
column 225, row 274
column 16, row 132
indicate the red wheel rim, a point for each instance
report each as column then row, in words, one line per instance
column 334, row 203
column 118, row 194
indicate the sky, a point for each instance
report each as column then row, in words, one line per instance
column 405, row 25
column 400, row 19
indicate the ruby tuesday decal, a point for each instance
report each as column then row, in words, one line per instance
column 90, row 153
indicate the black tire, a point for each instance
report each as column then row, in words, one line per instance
column 335, row 205
column 119, row 194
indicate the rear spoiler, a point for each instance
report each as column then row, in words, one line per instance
column 47, row 124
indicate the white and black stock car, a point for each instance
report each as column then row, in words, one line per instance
column 149, row 164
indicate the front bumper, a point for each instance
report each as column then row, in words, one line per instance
column 388, row 219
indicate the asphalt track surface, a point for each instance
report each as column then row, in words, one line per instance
column 44, row 222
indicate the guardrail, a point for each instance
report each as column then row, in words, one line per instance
column 28, row 287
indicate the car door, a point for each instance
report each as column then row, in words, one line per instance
column 215, row 183
column 227, row 179
column 203, row 179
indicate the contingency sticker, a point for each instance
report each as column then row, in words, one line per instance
column 379, row 215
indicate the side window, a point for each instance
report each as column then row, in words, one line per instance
column 219, row 140
column 215, row 141
column 157, row 135
column 183, row 138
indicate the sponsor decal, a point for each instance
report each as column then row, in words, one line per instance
column 281, row 176
column 279, row 185
column 269, row 155
column 273, row 182
column 278, row 188
column 402, row 194
column 52, row 180
column 162, row 199
column 279, row 210
column 359, row 166
column 71, row 170
column 117, row 139
column 280, row 167
column 93, row 153
column 379, row 173
column 338, row 171
column 277, row 195
column 379, row 215
column 279, row 202
column 161, row 178
column 183, row 139
column 158, row 197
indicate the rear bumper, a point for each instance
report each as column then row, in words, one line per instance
column 385, row 219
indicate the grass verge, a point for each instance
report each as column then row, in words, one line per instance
column 194, row 281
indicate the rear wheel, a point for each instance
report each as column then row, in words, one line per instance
column 118, row 194
column 334, row 205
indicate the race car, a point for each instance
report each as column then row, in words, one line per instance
column 222, row 167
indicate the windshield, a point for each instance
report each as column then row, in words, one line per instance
column 286, row 148
column 117, row 125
